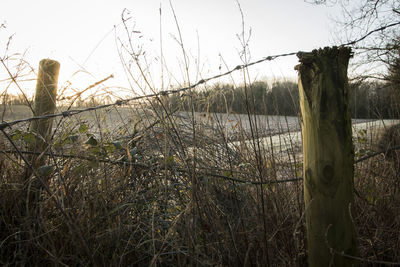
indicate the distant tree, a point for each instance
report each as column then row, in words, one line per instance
column 372, row 99
column 283, row 99
column 394, row 70
column 393, row 78
column 10, row 99
column 372, row 27
column 368, row 99
column 279, row 99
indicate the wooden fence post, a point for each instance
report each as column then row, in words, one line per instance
column 328, row 156
column 44, row 104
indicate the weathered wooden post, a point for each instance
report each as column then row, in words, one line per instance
column 328, row 156
column 45, row 104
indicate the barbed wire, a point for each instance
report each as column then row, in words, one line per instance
column 120, row 102
column 168, row 92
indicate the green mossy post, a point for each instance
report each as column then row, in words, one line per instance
column 328, row 156
column 45, row 104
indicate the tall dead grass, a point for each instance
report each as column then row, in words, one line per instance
column 146, row 195
column 145, row 185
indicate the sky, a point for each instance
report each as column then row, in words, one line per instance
column 86, row 37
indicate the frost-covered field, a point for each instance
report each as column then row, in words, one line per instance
column 271, row 132
column 362, row 132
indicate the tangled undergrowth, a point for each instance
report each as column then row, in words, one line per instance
column 163, row 189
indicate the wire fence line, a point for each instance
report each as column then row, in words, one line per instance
column 120, row 102
column 71, row 112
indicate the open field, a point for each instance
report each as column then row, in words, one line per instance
column 232, row 124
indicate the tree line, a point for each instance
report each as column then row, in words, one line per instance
column 368, row 99
column 257, row 98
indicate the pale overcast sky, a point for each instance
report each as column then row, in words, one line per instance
column 81, row 35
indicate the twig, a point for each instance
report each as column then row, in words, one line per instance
column 341, row 253
column 377, row 153
column 247, row 181
column 371, row 32
column 114, row 162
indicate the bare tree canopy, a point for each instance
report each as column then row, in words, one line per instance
column 372, row 27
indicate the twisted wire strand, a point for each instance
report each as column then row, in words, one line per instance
column 120, row 102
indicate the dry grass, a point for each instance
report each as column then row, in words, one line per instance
column 164, row 195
